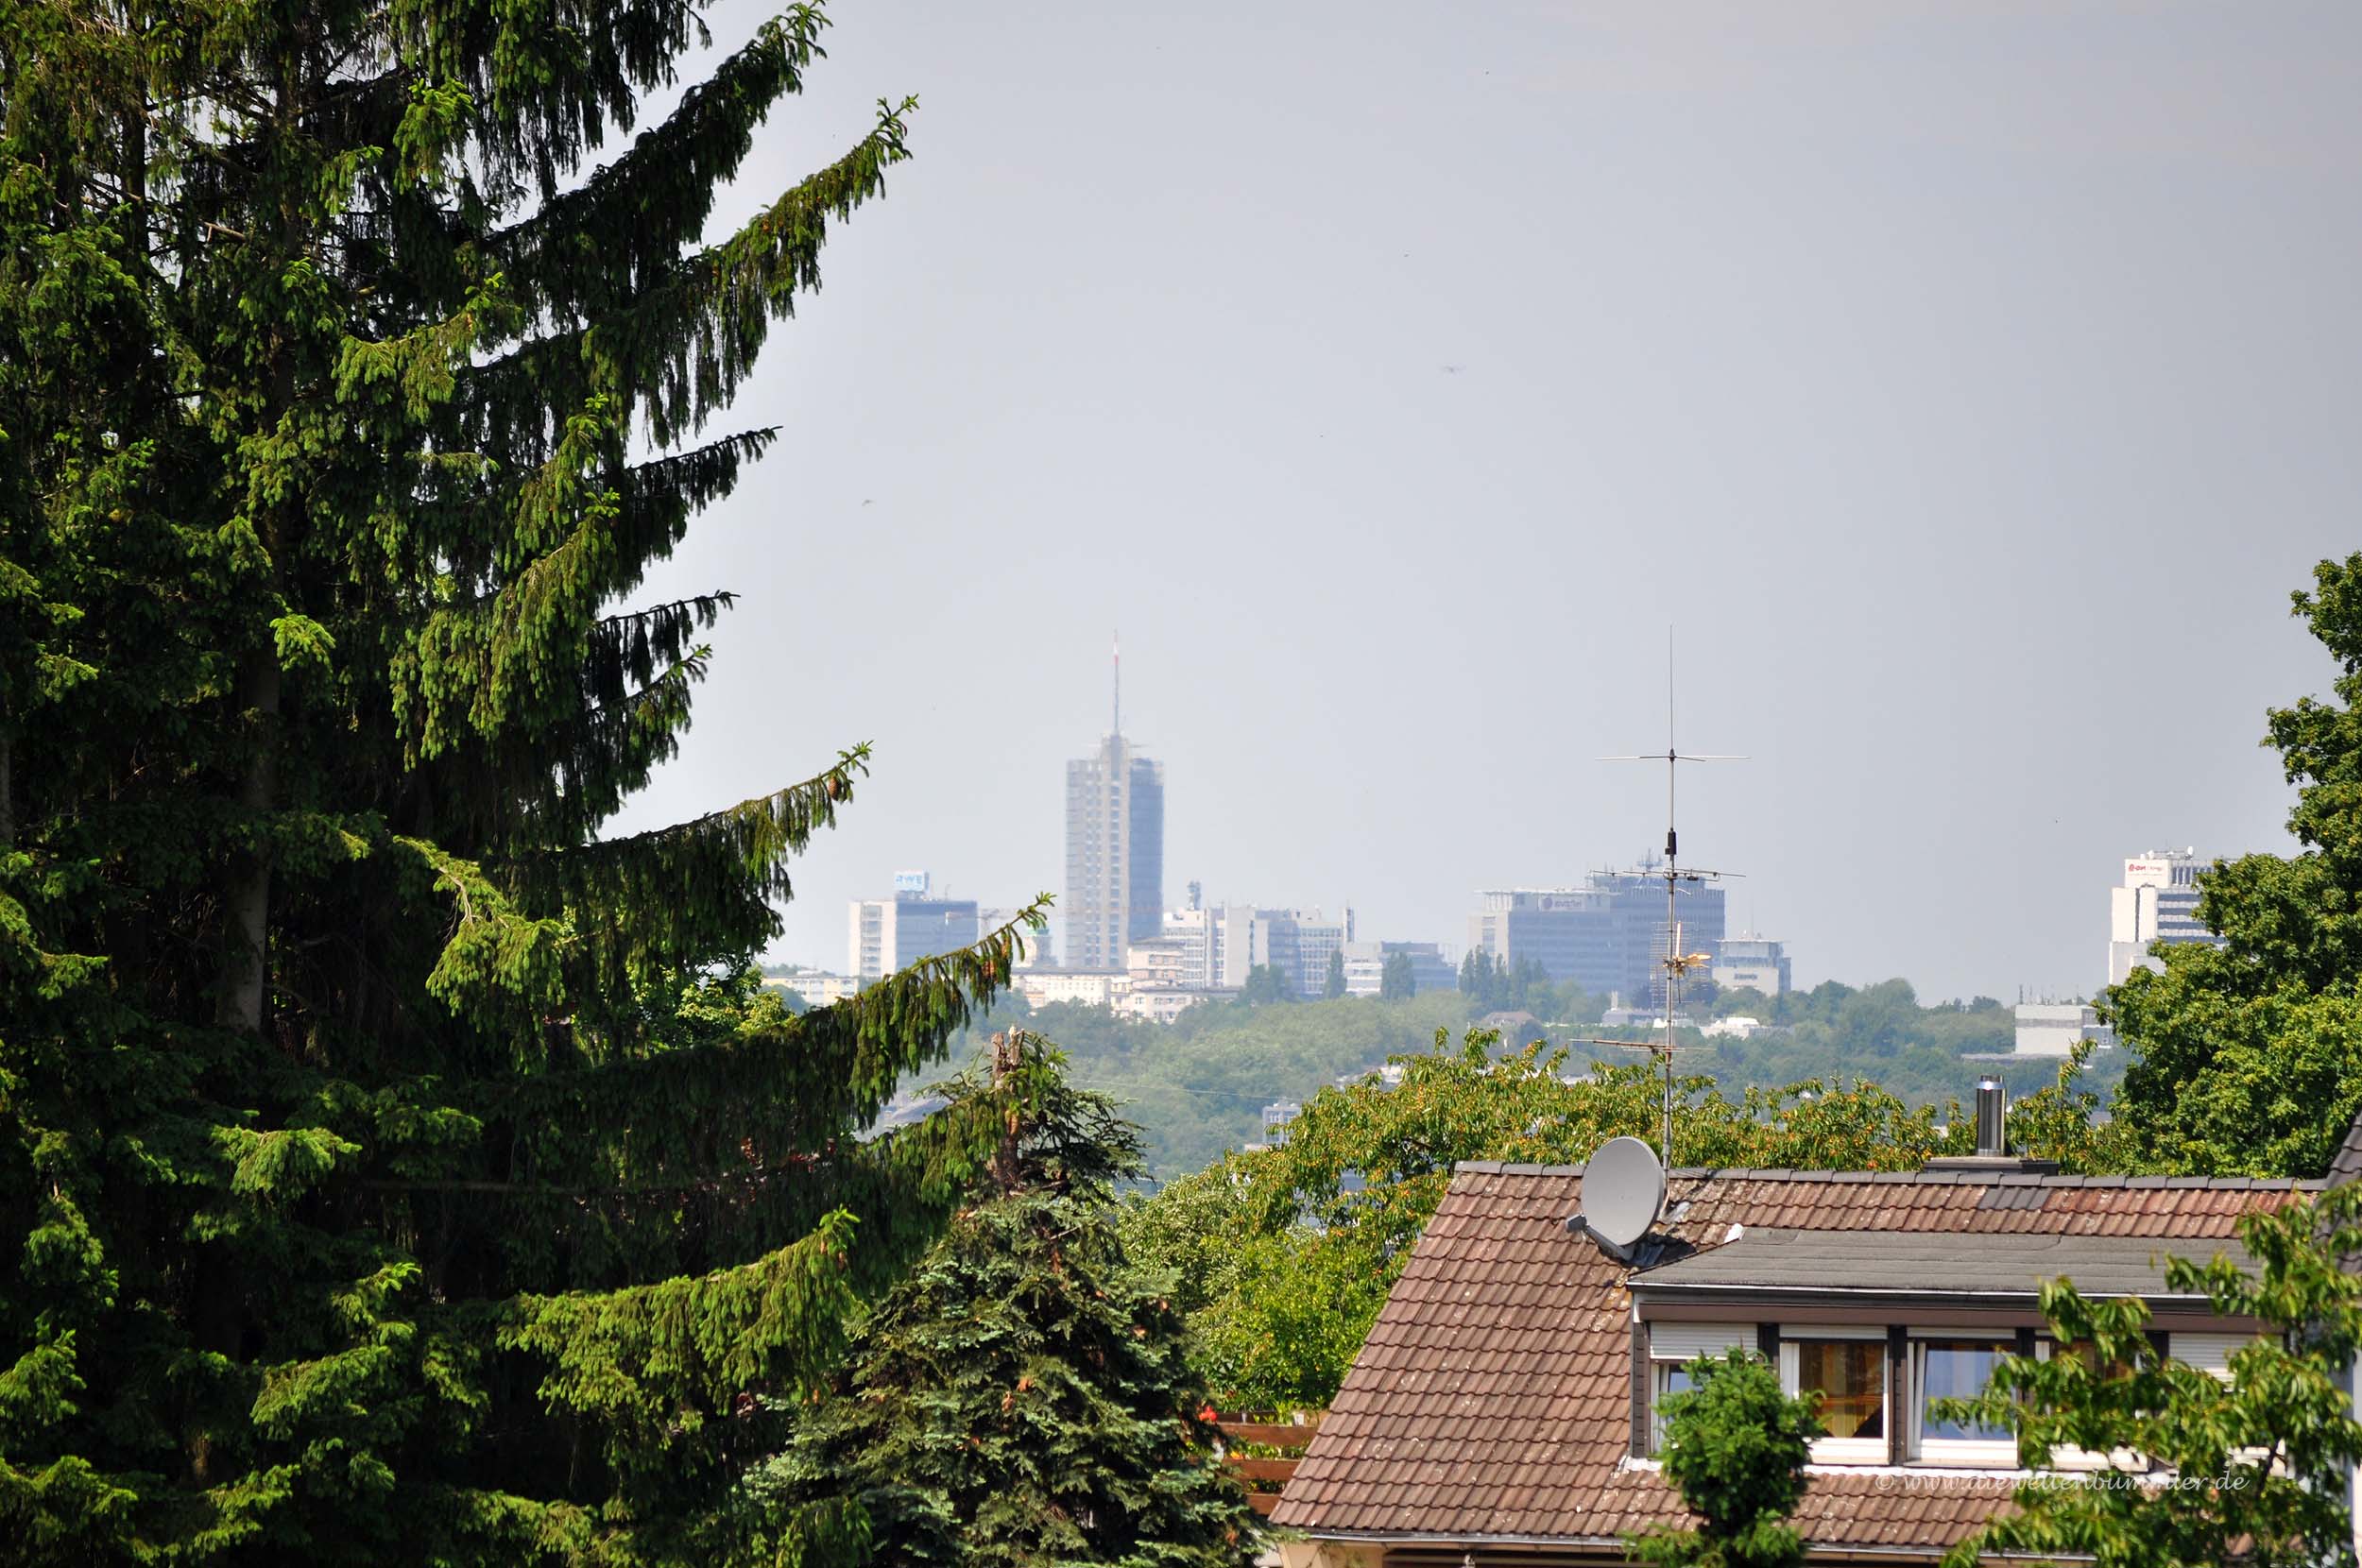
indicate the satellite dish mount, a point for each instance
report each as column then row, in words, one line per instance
column 1623, row 1192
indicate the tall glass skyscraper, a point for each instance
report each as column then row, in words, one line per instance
column 1115, row 850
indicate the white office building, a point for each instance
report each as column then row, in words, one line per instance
column 2157, row 902
column 2055, row 1029
column 1751, row 962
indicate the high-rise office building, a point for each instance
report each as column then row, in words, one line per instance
column 1115, row 849
column 885, row 935
column 2156, row 902
column 1607, row 935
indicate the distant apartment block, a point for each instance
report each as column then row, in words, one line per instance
column 1607, row 935
column 1195, row 934
column 1169, row 961
column 1431, row 970
column 1083, row 987
column 884, row 935
column 2055, row 1029
column 2156, row 902
column 1115, row 854
column 816, row 987
column 1143, row 994
column 1751, row 963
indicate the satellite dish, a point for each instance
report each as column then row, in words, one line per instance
column 1624, row 1190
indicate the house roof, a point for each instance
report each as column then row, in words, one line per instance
column 1491, row 1400
column 2346, row 1164
column 1994, row 1264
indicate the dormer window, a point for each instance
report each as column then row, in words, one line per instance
column 1847, row 1367
column 1957, row 1366
column 1671, row 1348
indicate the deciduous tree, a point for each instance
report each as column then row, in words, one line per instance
column 2255, row 1469
column 1301, row 1242
column 1734, row 1447
column 2250, row 1054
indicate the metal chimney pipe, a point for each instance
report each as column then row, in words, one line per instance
column 1992, row 1108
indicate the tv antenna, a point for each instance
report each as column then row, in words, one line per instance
column 1677, row 962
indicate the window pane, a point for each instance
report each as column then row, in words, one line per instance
column 1851, row 1375
column 1673, row 1377
column 1957, row 1368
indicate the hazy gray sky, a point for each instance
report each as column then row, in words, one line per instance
column 1972, row 381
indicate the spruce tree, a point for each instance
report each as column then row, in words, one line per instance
column 1023, row 1397
column 396, row 1170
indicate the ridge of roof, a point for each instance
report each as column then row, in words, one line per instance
column 1932, row 1177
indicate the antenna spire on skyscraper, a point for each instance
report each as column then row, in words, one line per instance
column 1115, row 713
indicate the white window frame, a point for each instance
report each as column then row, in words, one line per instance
column 1842, row 1450
column 1988, row 1452
column 1673, row 1345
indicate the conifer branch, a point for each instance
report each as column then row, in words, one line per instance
column 691, row 889
column 678, row 351
column 585, row 250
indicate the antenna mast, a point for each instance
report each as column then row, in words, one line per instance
column 1115, row 711
column 1677, row 963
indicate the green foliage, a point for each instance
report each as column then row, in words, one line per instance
column 1197, row 1087
column 1734, row 1447
column 2250, row 1054
column 1397, row 980
column 1267, row 982
column 1290, row 1251
column 1023, row 1397
column 1334, row 987
column 404, row 1171
column 1499, row 988
column 2253, row 1470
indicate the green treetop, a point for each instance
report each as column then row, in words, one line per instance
column 1735, row 1448
column 405, row 1172
column 1285, row 1256
column 1334, row 987
column 2250, row 1054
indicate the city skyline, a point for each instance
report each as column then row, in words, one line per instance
column 1947, row 371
